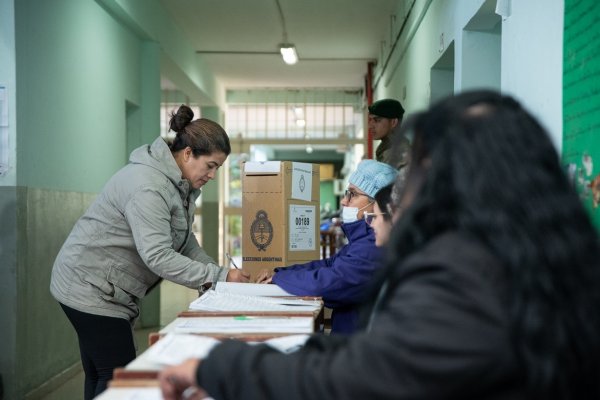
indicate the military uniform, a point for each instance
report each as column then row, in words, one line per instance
column 397, row 156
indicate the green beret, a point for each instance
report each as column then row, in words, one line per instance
column 387, row 108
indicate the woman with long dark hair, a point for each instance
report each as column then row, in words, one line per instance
column 486, row 170
column 491, row 289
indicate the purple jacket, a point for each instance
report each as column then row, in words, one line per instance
column 340, row 280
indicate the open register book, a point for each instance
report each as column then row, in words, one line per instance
column 175, row 348
column 251, row 289
column 240, row 325
column 214, row 300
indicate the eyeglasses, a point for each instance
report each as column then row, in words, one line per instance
column 370, row 217
column 349, row 194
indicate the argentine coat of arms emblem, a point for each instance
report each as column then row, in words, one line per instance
column 261, row 231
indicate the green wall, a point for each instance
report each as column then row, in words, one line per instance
column 327, row 195
column 77, row 68
column 179, row 61
column 210, row 200
column 581, row 96
column 8, row 199
column 46, row 342
column 8, row 286
column 88, row 92
column 88, row 79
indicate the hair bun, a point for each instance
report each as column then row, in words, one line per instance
column 181, row 118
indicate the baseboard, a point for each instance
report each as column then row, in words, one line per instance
column 53, row 383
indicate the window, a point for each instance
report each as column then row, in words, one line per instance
column 294, row 121
column 166, row 109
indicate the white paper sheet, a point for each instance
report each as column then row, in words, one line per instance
column 288, row 344
column 240, row 325
column 175, row 348
column 302, row 181
column 265, row 167
column 251, row 289
column 219, row 301
column 302, row 224
column 133, row 393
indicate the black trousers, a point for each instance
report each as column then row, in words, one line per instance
column 105, row 343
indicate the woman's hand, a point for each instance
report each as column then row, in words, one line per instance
column 265, row 276
column 179, row 381
column 238, row 275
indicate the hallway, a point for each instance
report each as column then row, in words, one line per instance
column 83, row 83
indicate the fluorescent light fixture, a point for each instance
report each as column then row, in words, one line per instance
column 288, row 52
column 301, row 123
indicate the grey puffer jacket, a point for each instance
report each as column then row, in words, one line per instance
column 138, row 230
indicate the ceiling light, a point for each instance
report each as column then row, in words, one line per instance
column 288, row 52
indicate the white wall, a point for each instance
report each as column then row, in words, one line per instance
column 432, row 27
column 532, row 60
column 531, row 55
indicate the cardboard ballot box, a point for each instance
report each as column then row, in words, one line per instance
column 280, row 220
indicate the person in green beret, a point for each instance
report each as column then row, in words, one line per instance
column 385, row 117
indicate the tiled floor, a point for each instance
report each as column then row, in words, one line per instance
column 73, row 388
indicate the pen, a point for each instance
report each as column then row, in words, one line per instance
column 231, row 260
column 189, row 393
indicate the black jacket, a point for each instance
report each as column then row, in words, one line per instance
column 441, row 332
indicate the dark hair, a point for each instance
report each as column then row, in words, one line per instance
column 382, row 197
column 487, row 168
column 203, row 136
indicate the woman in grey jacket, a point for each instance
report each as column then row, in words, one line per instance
column 137, row 232
column 490, row 292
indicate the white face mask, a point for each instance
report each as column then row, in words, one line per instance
column 350, row 214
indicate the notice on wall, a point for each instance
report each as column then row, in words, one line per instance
column 3, row 105
column 301, row 181
column 4, row 151
column 302, row 225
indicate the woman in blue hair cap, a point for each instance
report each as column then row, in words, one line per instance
column 342, row 279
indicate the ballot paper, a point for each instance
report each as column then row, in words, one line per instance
column 136, row 393
column 220, row 301
column 241, row 325
column 287, row 344
column 131, row 393
column 251, row 289
column 175, row 348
